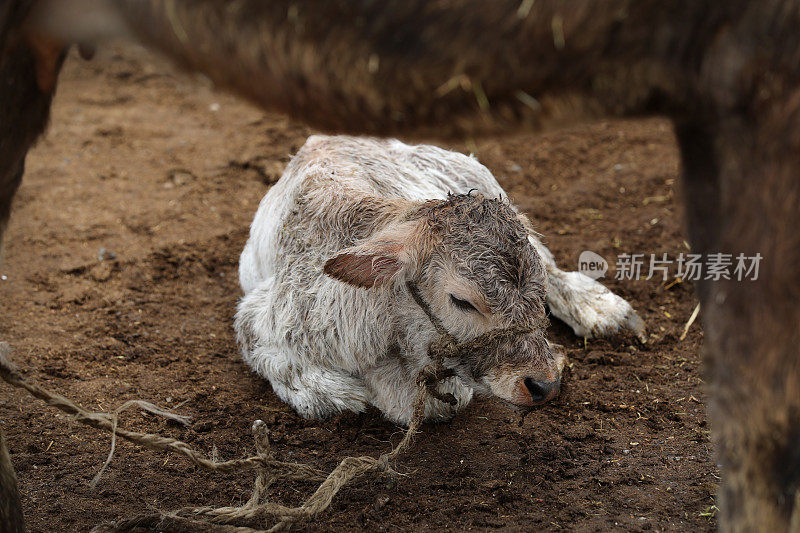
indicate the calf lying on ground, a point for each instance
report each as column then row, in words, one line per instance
column 328, row 316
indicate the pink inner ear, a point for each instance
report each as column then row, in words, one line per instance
column 362, row 270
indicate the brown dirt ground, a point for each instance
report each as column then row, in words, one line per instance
column 165, row 173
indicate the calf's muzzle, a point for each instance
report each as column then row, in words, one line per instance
column 542, row 391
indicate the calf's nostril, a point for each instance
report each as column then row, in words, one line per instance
column 540, row 390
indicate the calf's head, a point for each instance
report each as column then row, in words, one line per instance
column 476, row 271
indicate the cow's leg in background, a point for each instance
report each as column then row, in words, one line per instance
column 11, row 520
column 9, row 182
column 29, row 67
column 28, row 72
column 743, row 196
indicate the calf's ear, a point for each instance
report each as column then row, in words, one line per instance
column 377, row 260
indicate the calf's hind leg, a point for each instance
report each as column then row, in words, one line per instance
column 312, row 390
column 584, row 304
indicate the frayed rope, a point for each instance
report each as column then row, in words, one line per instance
column 258, row 508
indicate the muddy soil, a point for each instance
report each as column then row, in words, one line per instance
column 120, row 282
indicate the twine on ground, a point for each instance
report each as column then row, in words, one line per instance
column 258, row 509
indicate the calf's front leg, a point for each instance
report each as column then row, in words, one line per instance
column 394, row 387
column 313, row 390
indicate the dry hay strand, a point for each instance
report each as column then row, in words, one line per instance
column 258, row 509
column 690, row 322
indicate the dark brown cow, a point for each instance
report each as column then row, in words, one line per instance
column 727, row 73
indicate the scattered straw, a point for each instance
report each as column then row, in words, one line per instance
column 525, row 8
column 690, row 322
column 175, row 23
column 528, row 100
column 480, row 95
column 258, row 508
column 557, row 25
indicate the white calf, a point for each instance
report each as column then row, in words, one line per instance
column 327, row 316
